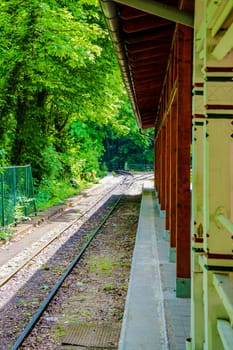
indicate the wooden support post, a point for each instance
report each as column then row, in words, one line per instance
column 163, row 174
column 155, row 166
column 183, row 237
column 160, row 166
column 168, row 175
column 173, row 177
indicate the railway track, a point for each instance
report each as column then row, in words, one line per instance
column 45, row 297
column 55, row 289
column 70, row 217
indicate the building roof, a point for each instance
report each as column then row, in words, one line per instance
column 142, row 34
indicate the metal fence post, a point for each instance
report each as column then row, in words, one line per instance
column 14, row 185
column 2, row 195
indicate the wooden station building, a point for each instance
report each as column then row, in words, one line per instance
column 176, row 59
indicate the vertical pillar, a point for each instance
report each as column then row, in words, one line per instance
column 163, row 174
column 218, row 94
column 214, row 142
column 168, row 175
column 197, row 305
column 155, row 166
column 183, row 237
column 173, row 177
column 217, row 240
column 160, row 167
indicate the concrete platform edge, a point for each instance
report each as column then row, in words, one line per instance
column 153, row 324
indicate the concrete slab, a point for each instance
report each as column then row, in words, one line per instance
column 177, row 310
column 154, row 317
column 144, row 319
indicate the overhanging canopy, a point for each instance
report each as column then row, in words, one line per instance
column 142, row 34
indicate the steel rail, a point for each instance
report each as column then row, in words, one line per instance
column 56, row 236
column 53, row 292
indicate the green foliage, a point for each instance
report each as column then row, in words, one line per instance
column 52, row 192
column 62, row 101
column 127, row 144
column 102, row 264
column 5, row 233
column 19, row 213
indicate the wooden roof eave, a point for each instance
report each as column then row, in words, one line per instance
column 110, row 13
column 110, row 10
column 158, row 8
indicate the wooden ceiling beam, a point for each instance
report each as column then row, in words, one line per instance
column 143, row 23
column 149, row 52
column 145, row 107
column 150, row 85
column 147, row 66
column 149, row 45
column 147, row 72
column 148, row 125
column 127, row 12
column 163, row 52
column 152, row 34
column 148, row 114
column 148, row 118
column 135, row 65
column 149, row 121
column 143, row 92
column 159, row 8
column 148, row 77
column 142, row 97
column 143, row 100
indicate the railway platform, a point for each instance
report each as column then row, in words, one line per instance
column 154, row 318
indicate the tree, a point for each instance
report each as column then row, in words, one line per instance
column 51, row 75
column 127, row 144
column 61, row 92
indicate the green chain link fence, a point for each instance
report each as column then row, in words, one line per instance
column 17, row 195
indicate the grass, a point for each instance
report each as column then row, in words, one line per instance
column 102, row 264
column 60, row 331
column 54, row 193
column 22, row 302
column 6, row 233
column 58, row 269
column 45, row 267
column 108, row 287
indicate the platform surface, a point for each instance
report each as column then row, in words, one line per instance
column 154, row 319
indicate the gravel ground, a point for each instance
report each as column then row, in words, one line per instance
column 30, row 237
column 94, row 292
